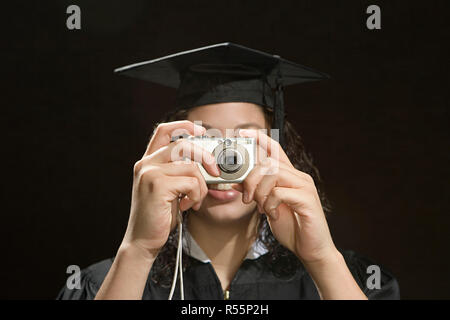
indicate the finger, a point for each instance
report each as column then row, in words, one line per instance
column 188, row 186
column 181, row 168
column 250, row 182
column 183, row 149
column 297, row 199
column 238, row 187
column 272, row 147
column 302, row 175
column 186, row 203
column 275, row 165
column 275, row 198
column 263, row 190
column 284, row 176
column 165, row 131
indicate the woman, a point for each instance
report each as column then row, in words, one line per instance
column 266, row 238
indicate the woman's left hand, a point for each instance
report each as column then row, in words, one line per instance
column 290, row 200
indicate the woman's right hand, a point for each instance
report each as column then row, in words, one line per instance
column 160, row 177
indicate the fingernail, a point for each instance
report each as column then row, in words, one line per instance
column 199, row 129
column 245, row 198
column 273, row 213
column 246, row 132
column 260, row 210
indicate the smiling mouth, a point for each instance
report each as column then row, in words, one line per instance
column 223, row 192
column 221, row 186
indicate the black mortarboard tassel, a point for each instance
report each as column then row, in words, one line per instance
column 278, row 110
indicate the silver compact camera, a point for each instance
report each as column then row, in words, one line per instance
column 235, row 157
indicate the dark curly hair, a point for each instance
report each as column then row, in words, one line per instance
column 279, row 259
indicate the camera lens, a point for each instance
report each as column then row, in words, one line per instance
column 229, row 160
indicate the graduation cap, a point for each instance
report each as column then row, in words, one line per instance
column 225, row 72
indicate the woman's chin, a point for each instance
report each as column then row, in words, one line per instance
column 225, row 211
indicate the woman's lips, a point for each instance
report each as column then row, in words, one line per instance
column 226, row 195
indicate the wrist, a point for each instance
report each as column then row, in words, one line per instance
column 326, row 262
column 333, row 279
column 128, row 274
column 134, row 252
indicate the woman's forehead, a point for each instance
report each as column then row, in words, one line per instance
column 229, row 115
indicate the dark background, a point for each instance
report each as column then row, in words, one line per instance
column 378, row 130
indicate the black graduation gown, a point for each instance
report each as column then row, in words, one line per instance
column 254, row 280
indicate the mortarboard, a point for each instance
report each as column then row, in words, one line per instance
column 225, row 72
